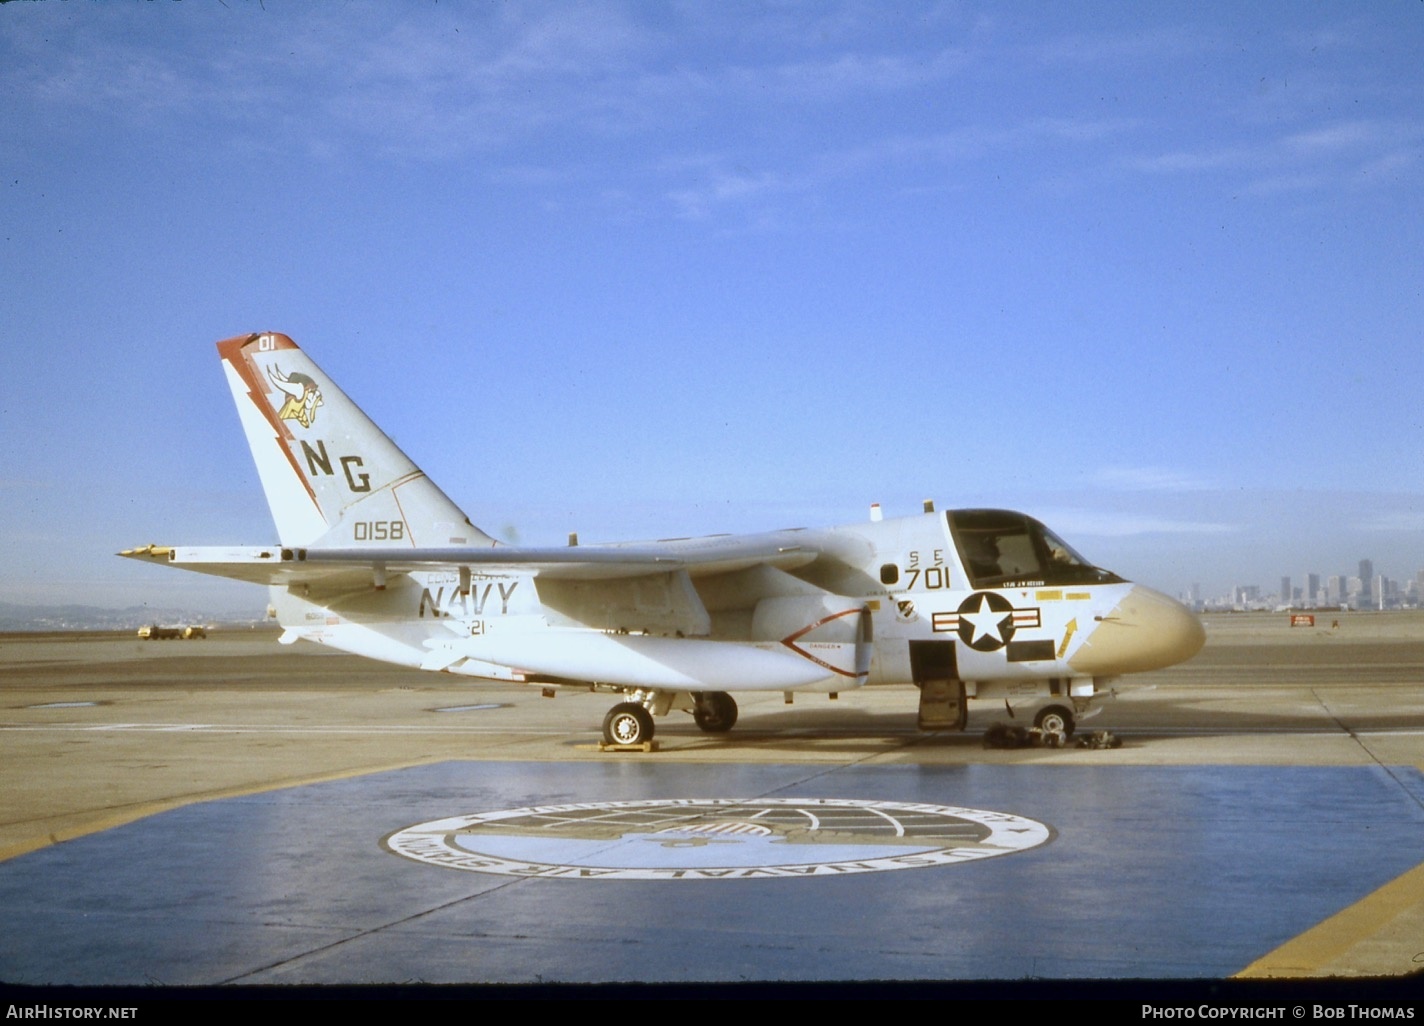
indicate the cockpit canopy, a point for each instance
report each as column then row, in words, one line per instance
column 1003, row 549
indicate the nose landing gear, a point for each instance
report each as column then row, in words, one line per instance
column 1055, row 719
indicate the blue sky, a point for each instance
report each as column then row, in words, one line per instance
column 1151, row 272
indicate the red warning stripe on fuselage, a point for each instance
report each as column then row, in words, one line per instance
column 790, row 642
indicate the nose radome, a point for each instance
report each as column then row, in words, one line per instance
column 1145, row 631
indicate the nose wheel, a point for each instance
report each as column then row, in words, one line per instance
column 627, row 723
column 1055, row 719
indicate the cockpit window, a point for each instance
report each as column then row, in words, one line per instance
column 1001, row 548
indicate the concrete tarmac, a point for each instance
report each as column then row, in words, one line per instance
column 1263, row 818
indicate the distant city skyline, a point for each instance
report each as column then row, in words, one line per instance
column 1313, row 590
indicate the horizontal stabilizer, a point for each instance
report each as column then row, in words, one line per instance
column 257, row 564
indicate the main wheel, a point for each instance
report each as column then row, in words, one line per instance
column 1055, row 719
column 714, row 711
column 627, row 723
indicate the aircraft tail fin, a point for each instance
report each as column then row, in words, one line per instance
column 332, row 477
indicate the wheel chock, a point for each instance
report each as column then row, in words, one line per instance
column 642, row 746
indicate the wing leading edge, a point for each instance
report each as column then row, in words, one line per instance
column 287, row 566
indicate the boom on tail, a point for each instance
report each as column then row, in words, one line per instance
column 375, row 559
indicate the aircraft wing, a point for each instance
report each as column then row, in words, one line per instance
column 285, row 566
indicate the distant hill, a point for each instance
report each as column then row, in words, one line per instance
column 15, row 617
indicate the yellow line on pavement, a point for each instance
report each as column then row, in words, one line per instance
column 106, row 819
column 1313, row 953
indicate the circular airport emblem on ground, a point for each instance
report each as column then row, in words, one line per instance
column 716, row 838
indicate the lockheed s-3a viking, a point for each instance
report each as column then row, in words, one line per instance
column 374, row 559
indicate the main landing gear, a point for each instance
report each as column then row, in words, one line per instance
column 714, row 711
column 627, row 723
column 631, row 723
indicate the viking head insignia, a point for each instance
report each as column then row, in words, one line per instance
column 303, row 397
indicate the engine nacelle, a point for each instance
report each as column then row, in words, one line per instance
column 831, row 631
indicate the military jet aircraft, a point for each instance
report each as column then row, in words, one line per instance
column 374, row 559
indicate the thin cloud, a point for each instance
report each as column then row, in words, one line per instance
column 1207, row 159
column 1399, row 520
column 721, row 180
column 846, row 75
column 1341, row 153
column 1148, row 479
column 1110, row 524
column 1344, row 136
column 697, row 202
column 1098, row 48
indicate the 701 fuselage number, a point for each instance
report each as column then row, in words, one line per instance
column 930, row 577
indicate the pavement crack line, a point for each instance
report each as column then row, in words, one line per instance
column 362, row 934
column 825, row 771
column 1390, row 771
